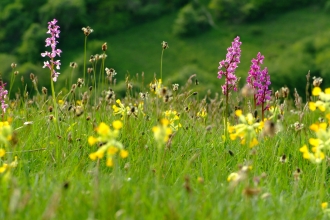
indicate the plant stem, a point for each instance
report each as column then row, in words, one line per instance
column 85, row 47
column 324, row 166
column 161, row 66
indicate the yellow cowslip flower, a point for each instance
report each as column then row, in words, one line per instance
column 79, row 102
column 99, row 154
column 253, row 143
column 305, row 152
column 93, row 156
column 233, row 137
column 318, row 104
column 238, row 112
column 2, row 152
column 60, row 102
column 112, row 150
column 317, row 126
column 324, row 205
column 312, row 106
column 328, row 117
column 232, row 177
column 117, row 124
column 315, row 142
column 123, row 153
column 92, row 140
column 103, row 129
column 109, row 162
column 162, row 132
column 202, row 113
column 316, row 91
column 327, row 91
column 246, row 131
column 315, row 157
column 3, row 168
column 173, row 119
column 119, row 110
column 319, row 155
column 164, row 122
column 110, row 146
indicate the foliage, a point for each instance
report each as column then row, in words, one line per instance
column 191, row 20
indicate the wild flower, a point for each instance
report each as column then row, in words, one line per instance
column 259, row 80
column 230, row 64
column 227, row 69
column 3, row 95
column 162, row 132
column 54, row 31
column 202, row 113
column 246, row 131
column 173, row 118
column 2, row 152
column 6, row 132
column 323, row 103
column 6, row 167
column 120, row 109
column 111, row 147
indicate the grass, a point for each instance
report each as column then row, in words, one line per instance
column 170, row 172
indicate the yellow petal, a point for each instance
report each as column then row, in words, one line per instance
column 238, row 112
column 312, row 106
column 2, row 152
column 303, row 149
column 117, row 124
column 103, row 129
column 316, row 91
column 91, row 140
column 123, row 153
column 315, row 142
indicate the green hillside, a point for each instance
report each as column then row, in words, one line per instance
column 292, row 42
column 138, row 49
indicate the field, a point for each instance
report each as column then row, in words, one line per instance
column 157, row 150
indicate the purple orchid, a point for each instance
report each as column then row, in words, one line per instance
column 3, row 94
column 54, row 31
column 259, row 80
column 230, row 65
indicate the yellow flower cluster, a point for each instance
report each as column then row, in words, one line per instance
column 324, row 99
column 246, row 131
column 173, row 119
column 110, row 145
column 322, row 141
column 202, row 113
column 156, row 87
column 163, row 131
column 128, row 110
column 120, row 109
column 5, row 133
column 5, row 167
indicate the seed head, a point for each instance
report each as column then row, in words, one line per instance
column 104, row 46
column 164, row 45
column 87, row 30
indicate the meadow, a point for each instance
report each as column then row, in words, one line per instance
column 162, row 151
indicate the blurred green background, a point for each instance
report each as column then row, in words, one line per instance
column 293, row 35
